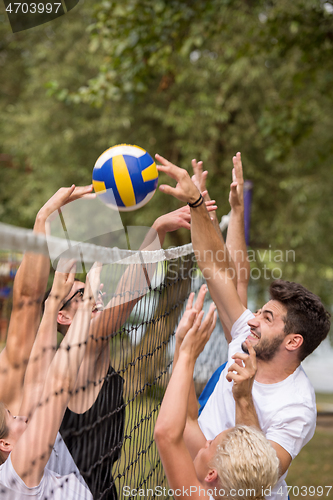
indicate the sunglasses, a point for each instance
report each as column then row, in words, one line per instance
column 80, row 292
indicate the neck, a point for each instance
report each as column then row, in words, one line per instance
column 275, row 370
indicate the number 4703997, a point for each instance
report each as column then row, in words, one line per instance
column 32, row 8
column 306, row 491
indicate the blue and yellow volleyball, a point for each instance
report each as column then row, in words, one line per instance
column 125, row 177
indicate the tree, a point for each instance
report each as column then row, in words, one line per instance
column 186, row 79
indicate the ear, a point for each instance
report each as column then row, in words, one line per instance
column 211, row 476
column 64, row 318
column 5, row 446
column 293, row 341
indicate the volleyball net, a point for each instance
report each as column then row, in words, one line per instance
column 109, row 427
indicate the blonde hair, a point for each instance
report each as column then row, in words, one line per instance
column 246, row 464
column 3, row 428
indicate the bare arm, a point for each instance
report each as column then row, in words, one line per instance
column 193, row 436
column 170, row 425
column 199, row 179
column 235, row 242
column 28, row 291
column 45, row 344
column 32, row 451
column 236, row 232
column 209, row 249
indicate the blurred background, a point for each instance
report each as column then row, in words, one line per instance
column 187, row 80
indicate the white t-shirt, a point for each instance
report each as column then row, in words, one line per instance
column 61, row 461
column 286, row 410
column 53, row 486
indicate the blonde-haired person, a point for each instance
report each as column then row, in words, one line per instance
column 26, row 442
column 239, row 463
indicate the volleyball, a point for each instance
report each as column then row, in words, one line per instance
column 125, row 177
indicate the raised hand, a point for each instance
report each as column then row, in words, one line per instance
column 63, row 280
column 242, row 372
column 63, row 196
column 179, row 218
column 199, row 333
column 200, row 176
column 190, row 313
column 236, row 196
column 92, row 284
column 185, row 190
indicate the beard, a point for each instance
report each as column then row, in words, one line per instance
column 265, row 348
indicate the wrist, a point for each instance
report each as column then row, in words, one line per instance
column 193, row 196
column 197, row 203
column 188, row 358
column 238, row 210
column 159, row 228
column 178, row 341
column 53, row 302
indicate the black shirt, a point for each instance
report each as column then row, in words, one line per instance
column 94, row 438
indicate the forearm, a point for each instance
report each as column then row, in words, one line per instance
column 68, row 358
column 40, row 359
column 116, row 312
column 210, row 251
column 173, row 413
column 246, row 413
column 192, row 408
column 214, row 219
column 157, row 229
column 236, row 245
column 176, row 354
column 193, row 405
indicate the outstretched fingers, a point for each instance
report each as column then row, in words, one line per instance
column 185, row 190
column 200, row 176
column 237, row 172
column 167, row 167
column 63, row 278
column 201, row 298
column 189, row 303
column 93, row 282
column 85, row 192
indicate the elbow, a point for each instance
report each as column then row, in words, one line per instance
column 162, row 431
column 165, row 436
column 159, row 432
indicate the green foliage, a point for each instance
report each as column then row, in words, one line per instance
column 185, row 79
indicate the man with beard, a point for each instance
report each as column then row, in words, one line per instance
column 283, row 332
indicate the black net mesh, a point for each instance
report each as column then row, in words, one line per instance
column 109, row 423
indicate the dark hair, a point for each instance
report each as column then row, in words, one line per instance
column 306, row 314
